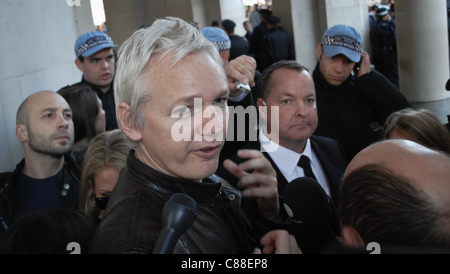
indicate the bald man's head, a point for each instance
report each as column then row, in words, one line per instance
column 38, row 98
column 44, row 124
column 23, row 114
column 397, row 192
column 425, row 169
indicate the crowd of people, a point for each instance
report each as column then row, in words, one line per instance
column 101, row 159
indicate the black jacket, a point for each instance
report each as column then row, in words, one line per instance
column 257, row 42
column 239, row 46
column 69, row 176
column 384, row 50
column 132, row 221
column 331, row 157
column 354, row 113
column 277, row 46
column 107, row 100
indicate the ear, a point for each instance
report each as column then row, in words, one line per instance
column 131, row 130
column 22, row 133
column 319, row 51
column 351, row 238
column 79, row 64
column 225, row 54
column 262, row 109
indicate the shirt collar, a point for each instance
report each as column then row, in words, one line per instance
column 285, row 159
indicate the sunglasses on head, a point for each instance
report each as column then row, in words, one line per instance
column 101, row 202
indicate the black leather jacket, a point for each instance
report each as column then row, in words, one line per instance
column 69, row 176
column 132, row 221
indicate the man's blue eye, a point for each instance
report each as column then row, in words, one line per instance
column 220, row 100
column 183, row 110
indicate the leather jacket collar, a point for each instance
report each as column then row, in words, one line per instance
column 166, row 184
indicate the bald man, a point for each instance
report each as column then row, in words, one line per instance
column 47, row 177
column 396, row 193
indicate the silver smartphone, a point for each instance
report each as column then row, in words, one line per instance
column 245, row 88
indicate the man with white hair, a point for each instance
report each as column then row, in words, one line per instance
column 171, row 94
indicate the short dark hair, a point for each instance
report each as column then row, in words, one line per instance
column 386, row 208
column 264, row 81
column 48, row 231
column 83, row 101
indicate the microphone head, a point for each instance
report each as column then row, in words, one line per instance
column 307, row 203
column 179, row 212
column 183, row 200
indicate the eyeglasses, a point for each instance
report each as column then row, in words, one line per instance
column 101, row 202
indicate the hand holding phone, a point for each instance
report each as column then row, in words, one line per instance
column 356, row 68
column 363, row 67
column 244, row 88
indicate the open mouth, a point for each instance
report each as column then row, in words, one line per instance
column 208, row 152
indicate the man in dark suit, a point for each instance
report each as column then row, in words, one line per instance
column 288, row 87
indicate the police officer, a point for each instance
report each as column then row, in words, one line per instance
column 384, row 45
column 351, row 109
column 239, row 45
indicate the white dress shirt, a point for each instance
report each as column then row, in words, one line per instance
column 287, row 160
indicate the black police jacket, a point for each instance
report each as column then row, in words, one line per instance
column 355, row 112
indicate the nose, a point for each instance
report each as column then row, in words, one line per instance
column 302, row 110
column 104, row 64
column 339, row 66
column 63, row 121
column 213, row 125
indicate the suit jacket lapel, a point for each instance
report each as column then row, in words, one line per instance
column 282, row 182
column 329, row 170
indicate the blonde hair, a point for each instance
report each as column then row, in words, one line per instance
column 421, row 126
column 107, row 149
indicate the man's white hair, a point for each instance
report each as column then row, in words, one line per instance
column 165, row 36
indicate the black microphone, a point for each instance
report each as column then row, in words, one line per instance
column 310, row 210
column 177, row 216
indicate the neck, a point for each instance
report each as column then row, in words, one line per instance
column 82, row 144
column 105, row 89
column 143, row 156
column 296, row 146
column 42, row 166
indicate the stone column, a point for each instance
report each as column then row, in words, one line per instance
column 307, row 20
column 37, row 49
column 120, row 19
column 354, row 13
column 234, row 10
column 422, row 40
column 124, row 17
column 305, row 23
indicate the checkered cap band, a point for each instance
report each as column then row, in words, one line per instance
column 224, row 45
column 342, row 41
column 93, row 42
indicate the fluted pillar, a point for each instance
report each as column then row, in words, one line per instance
column 422, row 41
